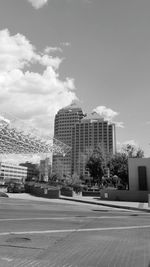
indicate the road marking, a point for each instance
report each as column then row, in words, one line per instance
column 74, row 217
column 77, row 230
column 64, row 218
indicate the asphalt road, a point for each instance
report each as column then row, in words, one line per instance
column 65, row 234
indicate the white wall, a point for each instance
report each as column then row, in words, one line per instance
column 133, row 164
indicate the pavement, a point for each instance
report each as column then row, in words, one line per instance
column 41, row 232
column 141, row 206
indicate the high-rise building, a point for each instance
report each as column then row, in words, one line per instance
column 86, row 135
column 65, row 119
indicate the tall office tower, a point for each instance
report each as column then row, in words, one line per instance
column 91, row 131
column 65, row 119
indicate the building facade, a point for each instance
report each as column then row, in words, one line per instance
column 139, row 174
column 12, row 172
column 45, row 170
column 32, row 170
column 86, row 135
column 65, row 119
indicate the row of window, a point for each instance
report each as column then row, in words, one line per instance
column 13, row 175
column 12, row 167
column 14, row 171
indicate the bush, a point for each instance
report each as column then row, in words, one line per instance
column 77, row 188
column 66, row 187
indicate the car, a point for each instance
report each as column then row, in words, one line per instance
column 15, row 187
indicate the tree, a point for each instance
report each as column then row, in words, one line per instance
column 55, row 179
column 75, row 180
column 132, row 151
column 75, row 183
column 118, row 163
column 95, row 164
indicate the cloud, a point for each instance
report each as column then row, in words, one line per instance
column 49, row 49
column 15, row 52
column 32, row 96
column 109, row 115
column 120, row 145
column 119, row 124
column 38, row 3
column 106, row 113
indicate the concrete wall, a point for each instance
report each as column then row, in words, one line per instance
column 133, row 164
column 124, row 195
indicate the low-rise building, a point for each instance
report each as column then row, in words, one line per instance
column 12, row 172
column 32, row 170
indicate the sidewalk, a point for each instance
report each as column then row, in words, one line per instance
column 115, row 204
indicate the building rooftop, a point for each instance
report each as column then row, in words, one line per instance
column 94, row 116
column 71, row 107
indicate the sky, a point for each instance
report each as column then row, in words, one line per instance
column 53, row 52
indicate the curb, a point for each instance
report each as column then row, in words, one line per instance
column 106, row 205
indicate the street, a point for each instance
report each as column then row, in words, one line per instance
column 66, row 234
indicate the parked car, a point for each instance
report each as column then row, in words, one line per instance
column 15, row 187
